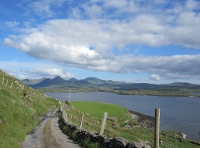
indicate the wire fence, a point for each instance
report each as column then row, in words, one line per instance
column 184, row 128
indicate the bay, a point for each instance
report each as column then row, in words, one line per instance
column 181, row 114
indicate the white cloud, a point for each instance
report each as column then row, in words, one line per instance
column 155, row 77
column 93, row 11
column 43, row 8
column 50, row 73
column 32, row 70
column 116, row 4
column 192, row 5
column 12, row 24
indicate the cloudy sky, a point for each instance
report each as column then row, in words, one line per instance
column 123, row 40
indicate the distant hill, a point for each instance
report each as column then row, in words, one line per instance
column 32, row 81
column 72, row 80
column 182, row 85
column 94, row 82
column 57, row 81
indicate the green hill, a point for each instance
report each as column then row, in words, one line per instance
column 20, row 109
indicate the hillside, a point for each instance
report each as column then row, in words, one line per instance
column 32, row 81
column 20, row 109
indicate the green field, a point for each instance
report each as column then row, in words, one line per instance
column 97, row 109
column 20, row 109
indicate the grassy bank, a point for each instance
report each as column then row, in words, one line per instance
column 20, row 109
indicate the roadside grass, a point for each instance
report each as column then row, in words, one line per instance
column 20, row 110
column 93, row 114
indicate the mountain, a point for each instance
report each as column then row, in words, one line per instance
column 72, row 80
column 94, row 82
column 57, row 81
column 182, row 85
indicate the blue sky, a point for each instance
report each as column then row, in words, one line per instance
column 139, row 41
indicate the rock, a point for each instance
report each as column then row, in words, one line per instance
column 130, row 145
column 142, row 145
column 138, row 145
column 127, row 126
column 1, row 122
column 184, row 135
column 119, row 142
column 160, row 141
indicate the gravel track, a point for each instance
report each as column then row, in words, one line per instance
column 35, row 138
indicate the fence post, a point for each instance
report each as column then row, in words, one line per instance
column 7, row 82
column 103, row 123
column 81, row 122
column 66, row 119
column 2, row 81
column 70, row 119
column 11, row 85
column 157, row 128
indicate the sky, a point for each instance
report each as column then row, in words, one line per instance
column 137, row 41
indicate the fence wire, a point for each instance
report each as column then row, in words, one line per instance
column 183, row 128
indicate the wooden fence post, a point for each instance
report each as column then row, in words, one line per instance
column 81, row 122
column 2, row 81
column 70, row 119
column 157, row 128
column 64, row 114
column 103, row 123
column 7, row 82
column 11, row 85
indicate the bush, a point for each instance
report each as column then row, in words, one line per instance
column 67, row 102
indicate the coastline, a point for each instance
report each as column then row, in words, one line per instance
column 142, row 119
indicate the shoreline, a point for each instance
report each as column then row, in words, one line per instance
column 142, row 119
column 158, row 95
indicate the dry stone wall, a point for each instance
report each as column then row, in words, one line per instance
column 115, row 142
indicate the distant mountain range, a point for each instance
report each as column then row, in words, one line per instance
column 59, row 82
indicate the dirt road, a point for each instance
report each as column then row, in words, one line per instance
column 48, row 135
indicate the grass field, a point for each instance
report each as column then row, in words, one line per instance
column 97, row 109
column 20, row 109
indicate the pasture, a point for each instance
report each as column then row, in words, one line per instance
column 97, row 109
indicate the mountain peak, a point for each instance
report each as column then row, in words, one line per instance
column 72, row 79
column 94, row 80
column 58, row 77
column 91, row 78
